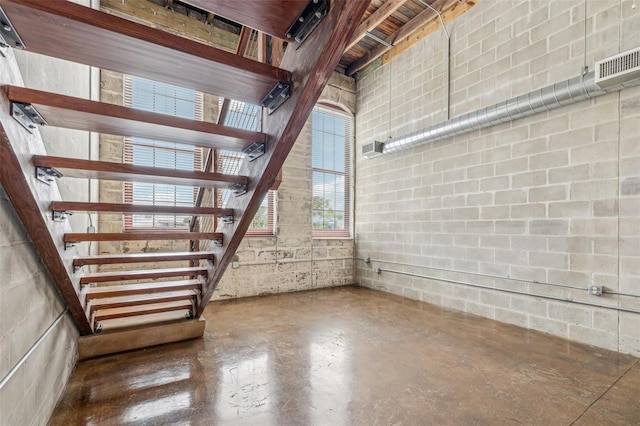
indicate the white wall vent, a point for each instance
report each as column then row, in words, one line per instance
column 618, row 69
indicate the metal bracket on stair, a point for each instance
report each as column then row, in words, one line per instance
column 255, row 150
column 27, row 116
column 68, row 245
column 8, row 35
column 217, row 243
column 47, row 174
column 239, row 189
column 60, row 215
column 228, row 219
column 276, row 96
column 307, row 20
column 189, row 315
column 97, row 328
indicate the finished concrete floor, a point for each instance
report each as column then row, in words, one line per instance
column 353, row 356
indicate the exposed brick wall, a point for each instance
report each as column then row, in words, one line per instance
column 550, row 198
column 310, row 263
column 304, row 262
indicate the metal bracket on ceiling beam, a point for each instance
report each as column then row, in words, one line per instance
column 27, row 116
column 307, row 20
column 255, row 150
column 276, row 96
column 47, row 174
column 8, row 35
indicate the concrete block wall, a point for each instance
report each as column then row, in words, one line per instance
column 550, row 199
column 29, row 301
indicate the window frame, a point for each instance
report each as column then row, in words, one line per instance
column 130, row 143
column 346, row 231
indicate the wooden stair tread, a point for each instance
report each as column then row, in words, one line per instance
column 141, row 299
column 82, row 114
column 53, row 28
column 77, row 206
column 145, row 288
column 100, row 277
column 271, row 17
column 131, row 236
column 90, row 169
column 154, row 308
column 105, row 259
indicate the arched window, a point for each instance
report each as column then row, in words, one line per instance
column 331, row 156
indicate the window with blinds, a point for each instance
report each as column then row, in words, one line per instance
column 331, row 167
column 148, row 95
column 245, row 116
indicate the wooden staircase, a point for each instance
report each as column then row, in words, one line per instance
column 69, row 31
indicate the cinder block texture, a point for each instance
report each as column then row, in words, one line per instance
column 29, row 303
column 545, row 205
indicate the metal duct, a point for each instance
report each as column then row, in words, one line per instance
column 564, row 93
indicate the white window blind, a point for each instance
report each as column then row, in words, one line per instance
column 331, row 167
column 148, row 95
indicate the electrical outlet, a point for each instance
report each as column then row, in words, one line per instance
column 595, row 290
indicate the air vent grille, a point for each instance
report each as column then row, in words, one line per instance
column 618, row 69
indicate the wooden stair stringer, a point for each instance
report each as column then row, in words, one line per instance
column 17, row 177
column 311, row 66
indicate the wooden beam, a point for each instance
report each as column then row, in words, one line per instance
column 376, row 18
column 143, row 299
column 273, row 17
column 311, row 64
column 148, row 13
column 77, row 206
column 78, row 237
column 116, row 259
column 243, row 41
column 406, row 30
column 137, row 310
column 78, row 168
column 451, row 10
column 103, row 277
column 145, row 288
column 54, row 28
column 12, row 178
column 82, row 114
